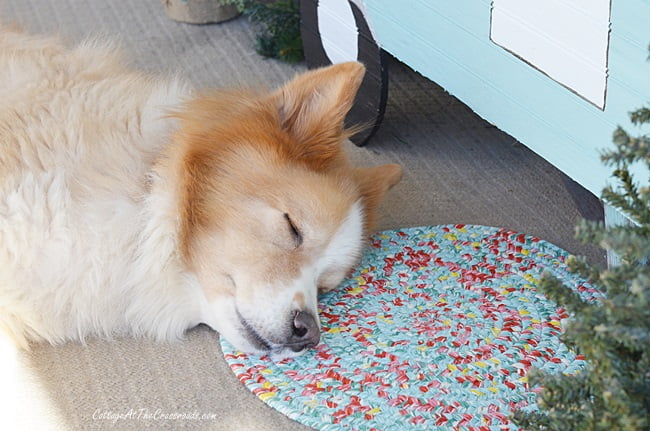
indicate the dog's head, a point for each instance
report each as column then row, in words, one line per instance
column 271, row 210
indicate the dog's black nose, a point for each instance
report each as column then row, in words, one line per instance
column 306, row 333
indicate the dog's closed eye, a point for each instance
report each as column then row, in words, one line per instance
column 297, row 236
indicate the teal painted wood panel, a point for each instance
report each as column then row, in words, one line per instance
column 449, row 43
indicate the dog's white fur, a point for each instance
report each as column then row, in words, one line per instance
column 84, row 248
column 90, row 241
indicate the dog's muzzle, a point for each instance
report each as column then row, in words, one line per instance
column 304, row 334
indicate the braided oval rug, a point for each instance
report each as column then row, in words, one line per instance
column 436, row 328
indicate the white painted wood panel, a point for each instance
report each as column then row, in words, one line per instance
column 565, row 39
column 338, row 30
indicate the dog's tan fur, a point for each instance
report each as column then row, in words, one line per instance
column 132, row 204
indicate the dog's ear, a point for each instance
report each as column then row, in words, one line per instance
column 313, row 106
column 373, row 184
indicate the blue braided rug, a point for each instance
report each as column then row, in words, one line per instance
column 437, row 328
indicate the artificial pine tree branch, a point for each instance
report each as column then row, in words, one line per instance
column 613, row 392
column 640, row 116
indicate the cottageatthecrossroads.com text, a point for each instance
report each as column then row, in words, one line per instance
column 145, row 414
